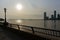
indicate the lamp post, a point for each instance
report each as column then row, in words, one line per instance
column 5, row 14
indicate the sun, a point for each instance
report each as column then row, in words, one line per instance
column 19, row 6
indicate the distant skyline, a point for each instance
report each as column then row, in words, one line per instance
column 31, row 9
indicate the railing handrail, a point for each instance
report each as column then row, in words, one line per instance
column 43, row 30
column 38, row 28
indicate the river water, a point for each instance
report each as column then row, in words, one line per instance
column 49, row 24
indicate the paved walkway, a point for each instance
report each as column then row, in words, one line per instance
column 6, row 34
column 3, row 35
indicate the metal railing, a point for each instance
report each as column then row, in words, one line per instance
column 45, row 31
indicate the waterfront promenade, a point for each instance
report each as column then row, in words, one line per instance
column 7, row 34
column 29, row 33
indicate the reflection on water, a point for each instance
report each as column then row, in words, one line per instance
column 19, row 21
column 37, row 23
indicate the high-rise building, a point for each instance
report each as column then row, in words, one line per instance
column 58, row 16
column 54, row 14
column 47, row 18
column 44, row 15
column 52, row 17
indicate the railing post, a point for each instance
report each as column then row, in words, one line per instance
column 18, row 27
column 32, row 30
column 56, row 34
column 10, row 25
column 53, row 33
column 59, row 34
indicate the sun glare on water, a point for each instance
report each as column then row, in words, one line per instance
column 19, row 21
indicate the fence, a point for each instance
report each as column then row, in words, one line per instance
column 34, row 30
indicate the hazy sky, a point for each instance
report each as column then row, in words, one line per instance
column 31, row 9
